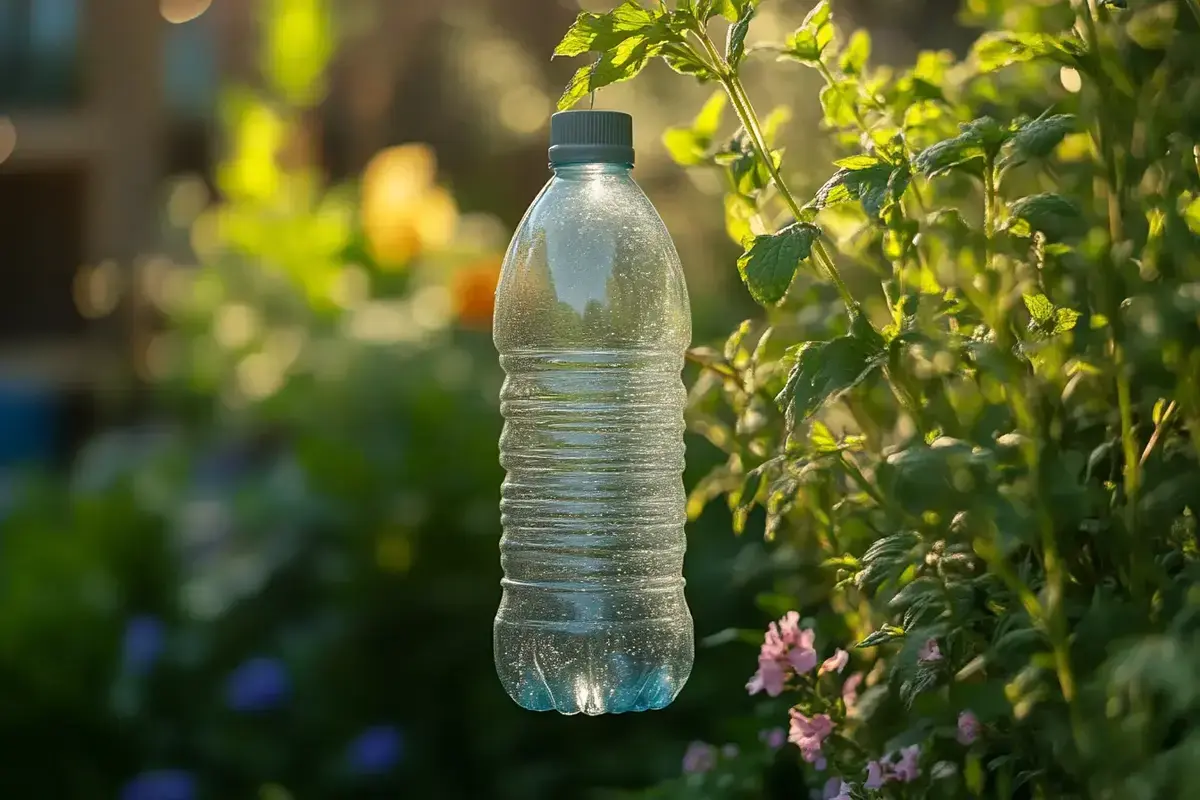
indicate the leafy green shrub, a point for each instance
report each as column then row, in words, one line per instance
column 978, row 472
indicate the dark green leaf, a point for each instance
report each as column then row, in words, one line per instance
column 887, row 633
column 770, row 263
column 1055, row 216
column 735, row 47
column 868, row 184
column 1038, row 138
column 824, row 371
column 999, row 49
column 976, row 139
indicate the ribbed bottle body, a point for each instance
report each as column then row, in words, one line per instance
column 592, row 321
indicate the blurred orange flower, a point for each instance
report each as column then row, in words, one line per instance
column 403, row 211
column 475, row 293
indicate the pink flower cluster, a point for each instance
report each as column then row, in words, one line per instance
column 787, row 649
column 902, row 769
column 968, row 728
column 809, row 733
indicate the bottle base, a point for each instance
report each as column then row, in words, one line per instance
column 577, row 672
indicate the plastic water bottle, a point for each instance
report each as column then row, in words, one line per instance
column 592, row 321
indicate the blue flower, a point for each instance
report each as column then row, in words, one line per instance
column 375, row 751
column 143, row 645
column 259, row 684
column 163, row 784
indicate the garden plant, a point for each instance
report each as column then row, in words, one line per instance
column 968, row 420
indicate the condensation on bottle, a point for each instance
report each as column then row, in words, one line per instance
column 592, row 321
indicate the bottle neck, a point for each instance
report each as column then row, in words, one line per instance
column 593, row 169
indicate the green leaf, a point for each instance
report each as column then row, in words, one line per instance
column 621, row 63
column 1064, row 320
column 1055, row 216
column 809, row 41
column 680, row 58
column 887, row 633
column 967, row 150
column 861, row 161
column 1040, row 307
column 868, row 184
column 999, row 49
column 855, row 56
column 691, row 146
column 838, row 103
column 824, row 371
column 598, row 33
column 1038, row 138
column 732, row 10
column 770, row 263
column 735, row 46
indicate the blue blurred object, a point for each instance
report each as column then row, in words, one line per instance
column 143, row 643
column 163, row 784
column 28, row 423
column 375, row 751
column 260, row 684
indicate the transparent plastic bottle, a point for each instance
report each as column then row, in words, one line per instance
column 592, row 320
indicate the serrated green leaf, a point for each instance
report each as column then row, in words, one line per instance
column 621, row 63
column 1038, row 138
column 999, row 49
column 967, row 150
column 770, row 263
column 808, row 42
column 1064, row 320
column 820, row 439
column 868, row 184
column 732, row 10
column 597, row 33
column 823, row 372
column 735, row 46
column 857, row 53
column 861, row 161
column 1040, row 307
column 887, row 633
column 1055, row 216
column 681, row 59
column 838, row 103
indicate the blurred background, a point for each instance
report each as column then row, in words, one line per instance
column 248, row 415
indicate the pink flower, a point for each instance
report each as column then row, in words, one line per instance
column 786, row 648
column 850, row 690
column 835, row 663
column 907, row 770
column 836, row 789
column 808, row 733
column 699, row 758
column 968, row 728
column 774, row 738
column 876, row 774
column 929, row 652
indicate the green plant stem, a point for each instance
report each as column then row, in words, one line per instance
column 1116, row 227
column 1194, row 5
column 745, row 111
column 989, row 209
column 1158, row 431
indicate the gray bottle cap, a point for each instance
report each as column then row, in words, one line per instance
column 578, row 137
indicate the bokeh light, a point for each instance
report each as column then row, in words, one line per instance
column 178, row 12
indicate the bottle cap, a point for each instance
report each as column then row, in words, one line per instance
column 580, row 137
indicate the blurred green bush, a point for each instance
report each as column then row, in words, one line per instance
column 282, row 584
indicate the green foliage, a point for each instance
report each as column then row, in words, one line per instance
column 983, row 472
